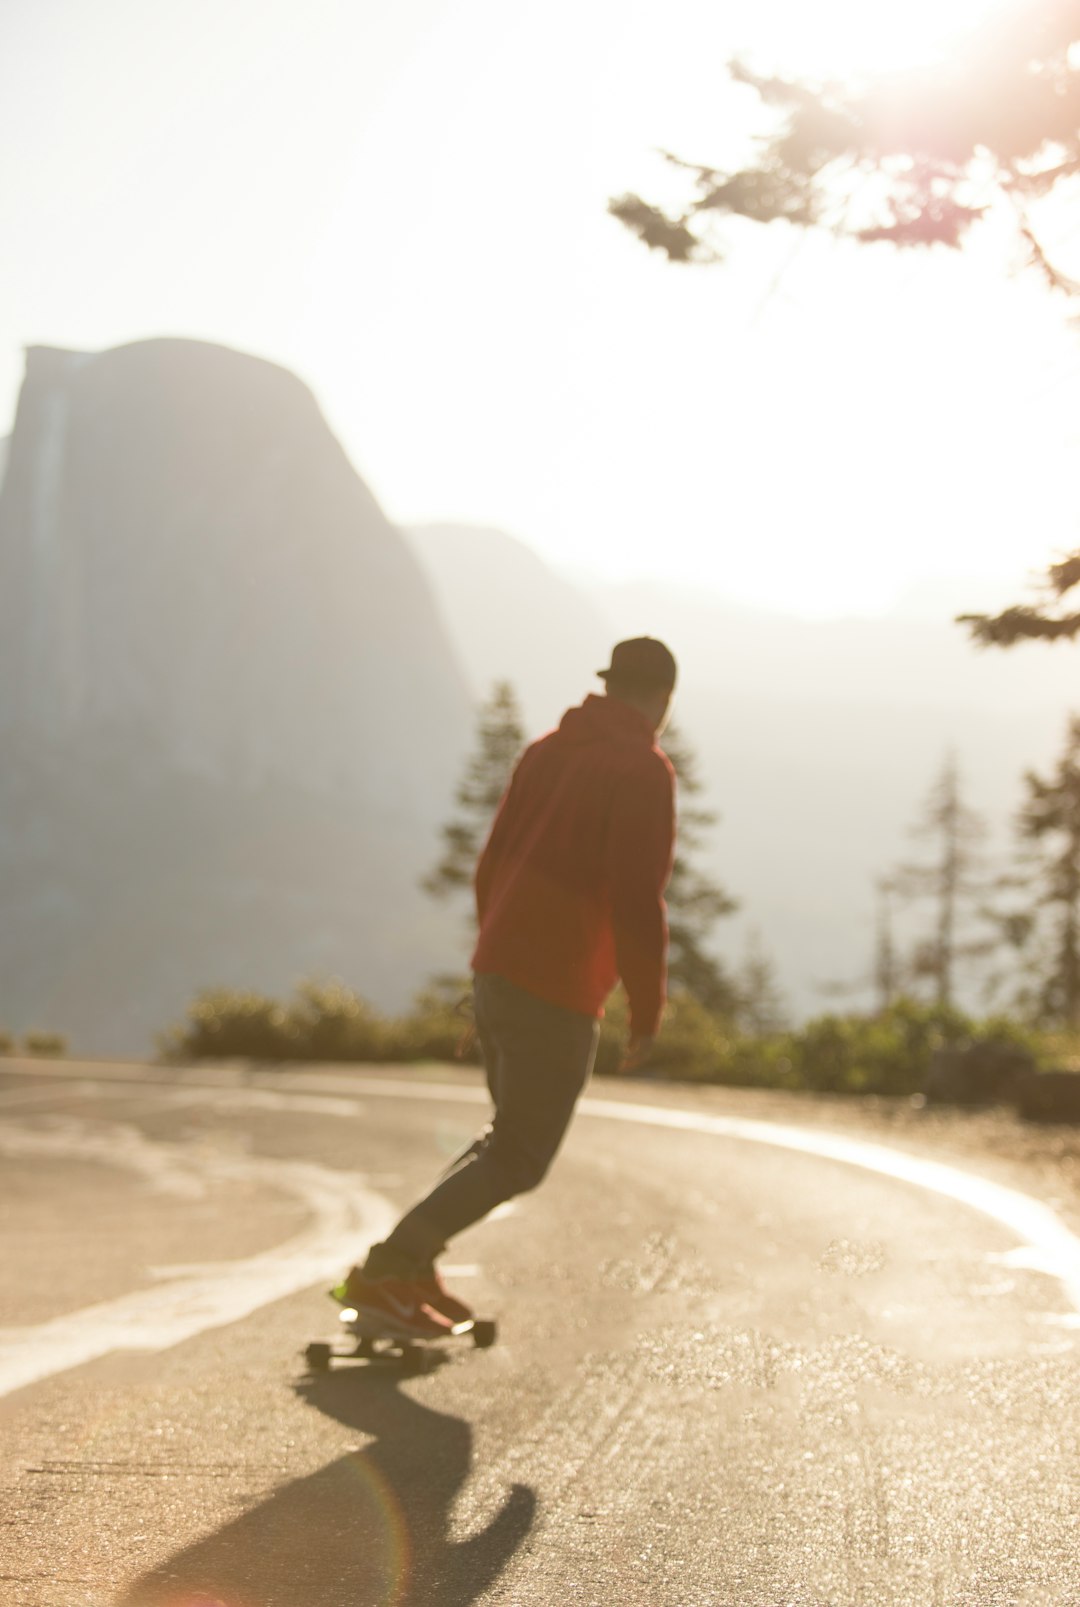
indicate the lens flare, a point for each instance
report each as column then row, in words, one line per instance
column 383, row 1530
column 374, row 1535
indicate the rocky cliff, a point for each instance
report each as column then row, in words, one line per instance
column 230, row 714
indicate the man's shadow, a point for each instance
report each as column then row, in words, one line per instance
column 369, row 1530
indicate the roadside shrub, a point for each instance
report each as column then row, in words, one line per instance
column 691, row 1047
column 1050, row 1096
column 890, row 1053
column 983, row 1072
column 759, row 1063
column 49, row 1045
column 1061, row 1048
column 323, row 1021
column 613, row 1034
column 435, row 1026
column 224, row 1024
column 328, row 1021
column 7, row 1043
column 694, row 1042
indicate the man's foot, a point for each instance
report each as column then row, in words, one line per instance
column 434, row 1293
column 394, row 1307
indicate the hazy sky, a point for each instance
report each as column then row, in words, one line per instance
column 406, row 204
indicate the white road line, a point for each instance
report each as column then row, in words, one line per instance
column 35, row 1096
column 121, row 1083
column 344, row 1214
column 1056, row 1250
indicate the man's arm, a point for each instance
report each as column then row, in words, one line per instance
column 491, row 852
column 641, row 847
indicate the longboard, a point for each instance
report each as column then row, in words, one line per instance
column 366, row 1342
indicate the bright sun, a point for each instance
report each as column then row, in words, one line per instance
column 836, row 38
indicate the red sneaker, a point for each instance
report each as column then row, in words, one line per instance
column 394, row 1308
column 434, row 1293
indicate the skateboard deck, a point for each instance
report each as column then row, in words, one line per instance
column 366, row 1341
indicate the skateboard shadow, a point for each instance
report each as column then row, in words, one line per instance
column 369, row 1530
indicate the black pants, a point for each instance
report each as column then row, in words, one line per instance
column 538, row 1057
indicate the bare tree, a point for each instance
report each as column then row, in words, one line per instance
column 887, row 969
column 952, row 877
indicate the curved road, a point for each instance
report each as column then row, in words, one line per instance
column 729, row 1373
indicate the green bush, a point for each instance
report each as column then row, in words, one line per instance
column 759, row 1063
column 436, row 1025
column 223, row 1024
column 692, row 1044
column 328, row 1021
column 49, row 1045
column 695, row 1045
column 323, row 1021
column 888, row 1053
column 613, row 1034
column 7, row 1043
column 883, row 1054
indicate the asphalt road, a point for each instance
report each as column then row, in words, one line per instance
column 729, row 1373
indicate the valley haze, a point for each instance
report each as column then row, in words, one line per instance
column 235, row 700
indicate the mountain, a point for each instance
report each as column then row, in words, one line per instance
column 230, row 711
column 817, row 740
column 512, row 617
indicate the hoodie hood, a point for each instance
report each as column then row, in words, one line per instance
column 606, row 719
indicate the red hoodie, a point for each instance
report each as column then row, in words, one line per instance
column 570, row 884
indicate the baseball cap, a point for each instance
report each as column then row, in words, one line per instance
column 644, row 663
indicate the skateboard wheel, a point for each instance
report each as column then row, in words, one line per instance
column 484, row 1332
column 318, row 1356
column 412, row 1359
column 366, row 1348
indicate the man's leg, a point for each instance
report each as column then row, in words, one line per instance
column 490, row 1057
column 539, row 1057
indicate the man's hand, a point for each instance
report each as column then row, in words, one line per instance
column 637, row 1053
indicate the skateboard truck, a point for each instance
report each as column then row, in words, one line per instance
column 410, row 1355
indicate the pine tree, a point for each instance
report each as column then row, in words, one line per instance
column 886, row 958
column 1050, row 819
column 695, row 903
column 500, row 738
column 887, row 974
column 952, row 878
column 761, row 1009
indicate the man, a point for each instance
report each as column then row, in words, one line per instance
column 569, row 894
